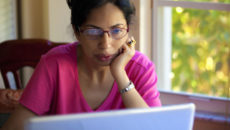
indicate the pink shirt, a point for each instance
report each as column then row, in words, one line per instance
column 54, row 87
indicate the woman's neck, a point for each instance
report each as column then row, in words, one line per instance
column 90, row 70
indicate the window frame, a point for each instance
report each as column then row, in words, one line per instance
column 162, row 59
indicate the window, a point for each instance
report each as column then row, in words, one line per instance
column 191, row 50
column 8, row 28
column 8, row 24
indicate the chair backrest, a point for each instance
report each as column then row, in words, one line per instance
column 16, row 54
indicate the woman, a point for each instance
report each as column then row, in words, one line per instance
column 101, row 72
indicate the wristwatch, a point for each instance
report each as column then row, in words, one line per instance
column 129, row 87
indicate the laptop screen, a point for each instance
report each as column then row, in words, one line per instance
column 173, row 117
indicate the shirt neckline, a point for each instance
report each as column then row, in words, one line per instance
column 111, row 94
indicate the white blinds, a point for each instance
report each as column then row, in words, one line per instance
column 8, row 26
column 8, row 20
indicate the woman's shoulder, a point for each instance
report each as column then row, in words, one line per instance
column 139, row 59
column 61, row 54
column 61, row 49
column 66, row 50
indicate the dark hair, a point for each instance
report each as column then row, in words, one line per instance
column 80, row 9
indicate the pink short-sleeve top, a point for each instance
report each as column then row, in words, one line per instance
column 54, row 87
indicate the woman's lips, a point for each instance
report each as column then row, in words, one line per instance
column 104, row 57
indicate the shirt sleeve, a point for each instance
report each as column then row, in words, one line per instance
column 145, row 83
column 38, row 93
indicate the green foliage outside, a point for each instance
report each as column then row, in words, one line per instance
column 201, row 51
column 220, row 1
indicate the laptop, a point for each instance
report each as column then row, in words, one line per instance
column 173, row 117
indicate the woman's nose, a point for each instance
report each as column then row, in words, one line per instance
column 105, row 41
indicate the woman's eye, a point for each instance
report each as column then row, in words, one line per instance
column 116, row 30
column 93, row 31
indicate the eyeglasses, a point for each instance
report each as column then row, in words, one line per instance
column 96, row 33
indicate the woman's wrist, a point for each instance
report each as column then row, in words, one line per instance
column 128, row 88
column 118, row 74
column 122, row 79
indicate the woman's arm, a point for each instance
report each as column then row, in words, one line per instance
column 131, row 98
column 17, row 119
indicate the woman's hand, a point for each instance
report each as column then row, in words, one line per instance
column 126, row 53
column 9, row 100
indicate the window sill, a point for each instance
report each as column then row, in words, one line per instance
column 217, row 106
column 212, row 117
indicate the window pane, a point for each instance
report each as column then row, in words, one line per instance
column 214, row 1
column 201, row 51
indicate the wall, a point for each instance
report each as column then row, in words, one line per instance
column 48, row 19
column 145, row 26
column 33, row 19
column 34, row 25
column 141, row 27
column 58, row 20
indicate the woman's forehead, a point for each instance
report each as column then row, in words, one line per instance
column 107, row 15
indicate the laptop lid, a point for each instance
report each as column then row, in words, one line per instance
column 174, row 117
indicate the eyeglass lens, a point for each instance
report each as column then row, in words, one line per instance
column 96, row 33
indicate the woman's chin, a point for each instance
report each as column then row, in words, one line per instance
column 104, row 63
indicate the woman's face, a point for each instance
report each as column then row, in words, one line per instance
column 101, row 51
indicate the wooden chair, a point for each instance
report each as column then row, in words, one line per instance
column 14, row 55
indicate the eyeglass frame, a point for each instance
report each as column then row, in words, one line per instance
column 103, row 32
